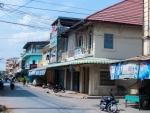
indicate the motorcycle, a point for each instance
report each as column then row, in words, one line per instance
column 12, row 85
column 57, row 88
column 109, row 104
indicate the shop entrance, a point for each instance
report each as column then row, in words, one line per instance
column 76, row 79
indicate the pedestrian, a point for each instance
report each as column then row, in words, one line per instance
column 24, row 81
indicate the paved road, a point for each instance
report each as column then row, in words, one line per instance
column 36, row 100
column 30, row 100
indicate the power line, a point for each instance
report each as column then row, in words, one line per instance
column 69, row 6
column 45, row 9
column 24, row 25
column 22, row 13
column 23, row 5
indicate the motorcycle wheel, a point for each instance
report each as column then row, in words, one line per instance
column 112, row 108
column 55, row 90
column 102, row 106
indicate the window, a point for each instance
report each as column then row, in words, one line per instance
column 79, row 40
column 90, row 40
column 108, row 41
column 105, row 78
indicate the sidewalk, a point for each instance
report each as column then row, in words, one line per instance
column 67, row 94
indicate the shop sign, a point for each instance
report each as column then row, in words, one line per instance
column 32, row 66
column 124, row 71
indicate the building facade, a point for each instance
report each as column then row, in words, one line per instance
column 33, row 54
column 11, row 65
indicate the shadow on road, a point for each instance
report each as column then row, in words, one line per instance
column 17, row 92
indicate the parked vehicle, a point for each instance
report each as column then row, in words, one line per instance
column 109, row 104
column 12, row 85
column 58, row 88
column 1, row 84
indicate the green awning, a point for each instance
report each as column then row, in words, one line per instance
column 88, row 60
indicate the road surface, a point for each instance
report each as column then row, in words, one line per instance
column 30, row 100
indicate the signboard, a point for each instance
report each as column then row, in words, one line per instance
column 32, row 66
column 144, row 72
column 124, row 70
column 129, row 70
column 53, row 37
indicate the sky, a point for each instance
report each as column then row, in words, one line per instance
column 14, row 37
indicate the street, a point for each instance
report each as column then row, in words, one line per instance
column 30, row 100
column 27, row 100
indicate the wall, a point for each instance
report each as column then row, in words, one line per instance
column 127, row 41
column 94, row 82
column 71, row 41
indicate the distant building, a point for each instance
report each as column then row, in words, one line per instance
column 32, row 54
column 11, row 64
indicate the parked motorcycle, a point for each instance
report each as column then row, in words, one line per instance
column 58, row 88
column 109, row 104
column 1, row 84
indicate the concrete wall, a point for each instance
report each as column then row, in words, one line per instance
column 94, row 82
column 71, row 41
column 127, row 41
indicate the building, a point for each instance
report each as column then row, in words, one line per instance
column 57, row 44
column 11, row 64
column 81, row 61
column 32, row 54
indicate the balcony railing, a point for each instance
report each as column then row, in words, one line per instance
column 74, row 54
column 30, row 54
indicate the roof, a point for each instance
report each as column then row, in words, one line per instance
column 66, row 21
column 35, row 43
column 139, row 58
column 127, row 12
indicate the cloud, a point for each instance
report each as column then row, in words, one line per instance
column 25, row 19
column 23, row 37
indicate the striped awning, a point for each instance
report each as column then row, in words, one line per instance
column 88, row 60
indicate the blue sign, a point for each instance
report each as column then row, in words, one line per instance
column 144, row 72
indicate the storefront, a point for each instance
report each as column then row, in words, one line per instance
column 135, row 69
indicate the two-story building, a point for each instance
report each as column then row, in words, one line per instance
column 32, row 54
column 80, row 55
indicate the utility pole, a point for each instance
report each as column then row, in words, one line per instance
column 146, row 27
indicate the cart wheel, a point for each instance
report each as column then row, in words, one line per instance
column 144, row 104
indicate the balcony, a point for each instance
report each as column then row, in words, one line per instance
column 74, row 54
column 27, row 54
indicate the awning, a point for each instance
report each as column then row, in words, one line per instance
column 37, row 72
column 88, row 60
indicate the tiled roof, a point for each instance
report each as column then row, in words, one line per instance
column 127, row 12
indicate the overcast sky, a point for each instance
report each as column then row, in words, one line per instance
column 13, row 37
